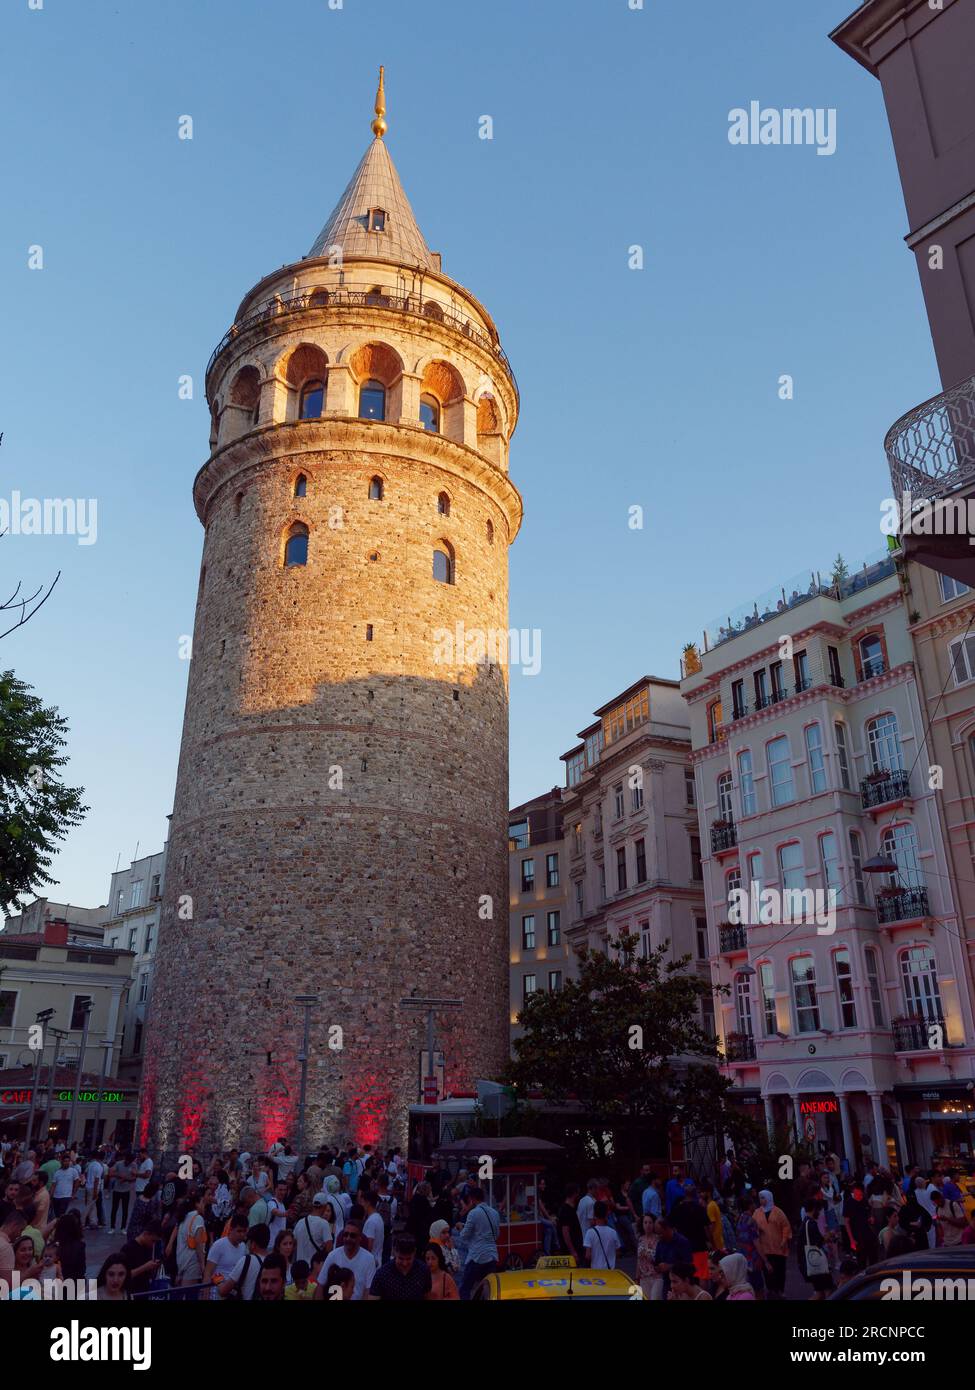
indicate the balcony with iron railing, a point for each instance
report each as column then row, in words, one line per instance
column 931, row 449
column 912, row 1033
column 283, row 306
column 739, row 1047
column 902, row 905
column 884, row 788
column 724, row 836
column 732, row 938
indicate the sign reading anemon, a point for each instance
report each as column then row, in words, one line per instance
column 819, row 1107
column 23, row 1097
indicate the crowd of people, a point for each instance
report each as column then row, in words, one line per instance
column 342, row 1224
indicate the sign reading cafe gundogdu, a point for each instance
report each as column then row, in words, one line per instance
column 22, row 1096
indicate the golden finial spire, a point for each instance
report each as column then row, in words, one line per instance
column 379, row 126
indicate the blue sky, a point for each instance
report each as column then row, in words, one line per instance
column 656, row 388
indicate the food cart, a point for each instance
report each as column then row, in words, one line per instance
column 508, row 1170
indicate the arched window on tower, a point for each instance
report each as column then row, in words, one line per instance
column 372, row 400
column 490, row 532
column 312, row 399
column 296, row 546
column 376, row 490
column 377, row 219
column 430, row 414
column 443, row 564
column 443, row 504
column 301, row 485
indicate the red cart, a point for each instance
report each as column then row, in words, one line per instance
column 508, row 1171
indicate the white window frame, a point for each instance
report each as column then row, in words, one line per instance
column 951, row 588
column 743, row 1005
column 884, row 743
column 841, row 977
column 807, row 1013
column 746, row 783
column 770, row 1015
column 842, row 754
column 961, row 659
column 871, row 965
column 922, row 992
column 783, row 766
column 813, row 737
column 726, row 804
column 829, row 862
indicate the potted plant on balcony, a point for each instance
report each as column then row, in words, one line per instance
column 722, row 823
column 692, row 659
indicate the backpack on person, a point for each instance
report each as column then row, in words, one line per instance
column 236, row 1294
column 315, row 1245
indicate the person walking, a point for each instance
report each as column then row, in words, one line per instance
column 480, row 1239
column 813, row 1259
column 651, row 1282
column 123, row 1175
column 442, row 1286
column 601, row 1242
column 774, row 1235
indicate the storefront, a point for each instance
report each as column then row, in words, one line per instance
column 940, row 1122
column 109, row 1104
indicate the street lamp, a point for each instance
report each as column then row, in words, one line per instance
column 86, row 1009
column 59, row 1036
column 307, row 1001
column 431, row 1005
column 41, row 1018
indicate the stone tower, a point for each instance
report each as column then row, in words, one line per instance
column 339, row 824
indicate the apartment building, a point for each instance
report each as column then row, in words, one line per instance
column 132, row 924
column 847, row 1014
column 539, row 953
column 633, row 846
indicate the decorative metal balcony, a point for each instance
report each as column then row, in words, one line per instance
column 902, row 905
column 732, row 937
column 931, row 449
column 876, row 667
column 376, row 298
column 911, row 1034
column 881, row 788
column 739, row 711
column 739, row 1047
column 724, row 836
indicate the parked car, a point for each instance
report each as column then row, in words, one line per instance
column 931, row 1275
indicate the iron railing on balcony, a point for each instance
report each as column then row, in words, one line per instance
column 902, row 905
column 912, row 1033
column 739, row 1047
column 378, row 298
column 732, row 937
column 739, row 711
column 931, row 449
column 723, row 836
column 875, row 667
column 880, row 789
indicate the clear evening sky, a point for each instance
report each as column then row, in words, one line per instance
column 656, row 388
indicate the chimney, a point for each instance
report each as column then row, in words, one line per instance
column 56, row 932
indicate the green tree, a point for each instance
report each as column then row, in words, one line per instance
column 625, row 1039
column 840, row 572
column 36, row 808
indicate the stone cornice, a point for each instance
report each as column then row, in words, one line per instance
column 944, row 623
column 348, row 434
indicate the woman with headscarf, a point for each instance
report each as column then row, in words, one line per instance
column 734, row 1276
column 774, row 1235
column 440, row 1235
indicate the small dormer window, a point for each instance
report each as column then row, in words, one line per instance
column 377, row 220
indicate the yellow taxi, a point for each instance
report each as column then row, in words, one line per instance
column 559, row 1277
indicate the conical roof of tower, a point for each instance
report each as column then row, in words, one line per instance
column 375, row 184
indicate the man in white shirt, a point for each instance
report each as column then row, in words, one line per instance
column 350, row 1255
column 585, row 1208
column 94, row 1178
column 373, row 1228
column 601, row 1242
column 143, row 1172
column 245, row 1272
column 225, row 1255
column 66, row 1179
column 277, row 1211
column 312, row 1233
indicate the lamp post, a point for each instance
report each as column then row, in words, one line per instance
column 108, row 1045
column 59, row 1036
column 41, row 1018
column 431, row 1006
column 306, row 1001
column 87, row 1007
